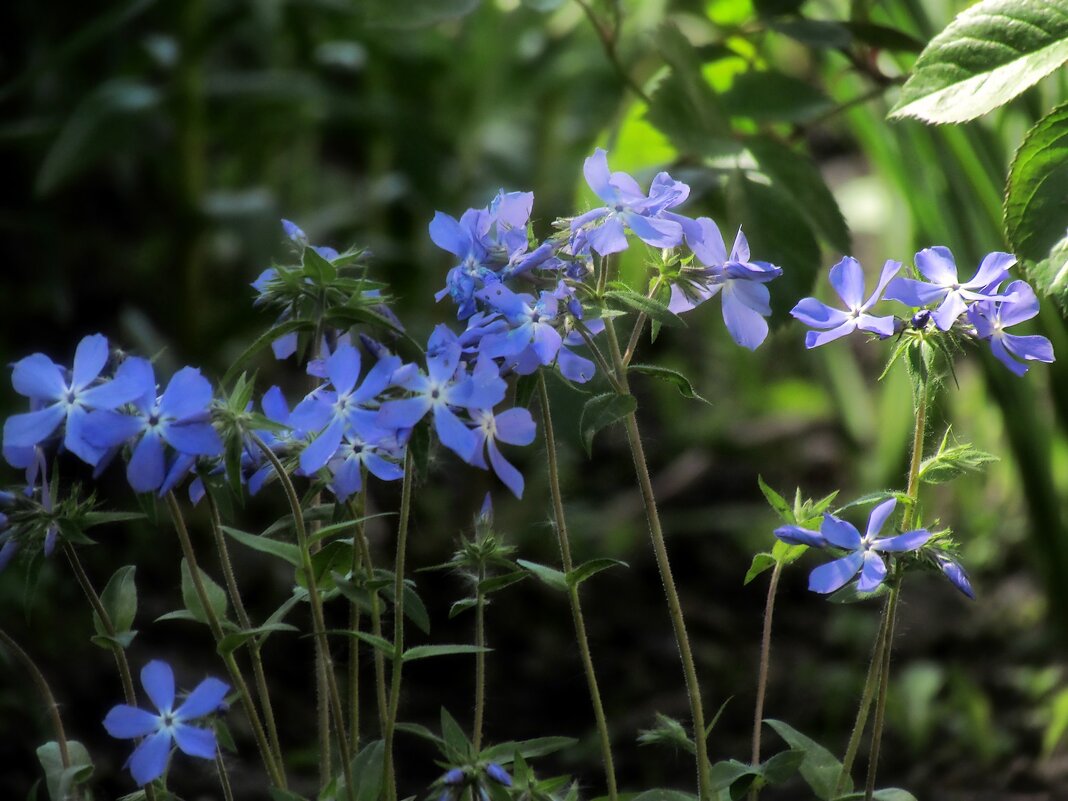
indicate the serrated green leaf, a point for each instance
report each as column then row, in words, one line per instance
column 601, row 411
column 952, row 462
column 760, row 563
column 1036, row 196
column 591, row 568
column 119, row 600
column 429, row 651
column 988, row 55
column 216, row 595
column 819, row 768
column 286, row 551
column 546, row 575
column 681, row 382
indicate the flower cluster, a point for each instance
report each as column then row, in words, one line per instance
column 977, row 308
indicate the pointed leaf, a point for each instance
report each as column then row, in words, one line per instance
column 681, row 382
column 547, row 575
column 119, row 599
column 591, row 568
column 216, row 595
column 819, row 768
column 427, row 651
column 1036, row 214
column 601, row 411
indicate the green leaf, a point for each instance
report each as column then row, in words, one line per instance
column 420, row 731
column 782, row 766
column 497, row 583
column 121, row 639
column 216, row 596
column 988, row 55
column 653, row 309
column 681, row 382
column 776, row 502
column 1058, row 723
column 798, row 177
column 100, row 518
column 428, row 651
column 547, row 575
column 231, row 642
column 883, row 37
column 318, row 269
column 814, row 33
column 786, row 553
column 591, row 568
column 724, row 774
column 760, row 563
column 1050, row 276
column 1036, row 196
column 286, row 551
column 601, row 411
column 771, row 96
column 61, row 781
column 367, row 774
column 455, row 739
column 889, row 794
column 528, row 749
column 261, row 342
column 819, row 767
column 408, row 14
column 661, row 794
column 414, row 609
column 381, row 643
column 849, row 594
column 278, row 794
column 119, row 599
column 462, row 606
column 952, row 461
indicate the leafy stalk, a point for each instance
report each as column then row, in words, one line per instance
column 480, row 660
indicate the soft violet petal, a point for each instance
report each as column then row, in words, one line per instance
column 343, row 367
column 795, row 535
column 195, row 438
column 347, row 479
column 744, row 305
column 1022, row 306
column 447, row 234
column 993, row 269
column 847, row 278
column 813, row 339
column 126, row 722
column 205, row 698
column 453, row 434
column 134, row 382
column 955, row 573
column 890, row 269
column 879, row 516
column 403, row 413
column 817, row 314
column 38, row 377
column 377, row 379
column 27, row 429
column 608, row 237
column 574, row 367
column 108, row 429
column 195, row 741
column 595, row 169
column 146, row 469
column 654, row 231
column 840, row 533
column 883, row 326
column 149, row 759
column 320, row 450
column 285, row 346
column 913, row 293
column 546, row 342
column 516, row 426
column 1033, row 348
column 89, row 360
column 909, row 541
column 950, row 310
column 834, row 575
column 505, row 471
column 187, row 394
column 313, row 413
column 873, row 573
column 158, row 680
column 937, row 265
column 74, row 438
column 274, row 405
column 997, row 347
column 443, row 351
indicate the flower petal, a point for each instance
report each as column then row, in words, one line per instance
column 206, row 698
column 1032, row 348
column 447, row 234
column 839, row 533
column 158, row 680
column 195, row 741
column 654, row 231
column 879, row 515
column 149, row 759
column 403, row 413
column 608, row 237
column 126, row 722
column 873, row 573
column 343, row 367
column 199, row 439
column 505, row 471
column 187, row 394
column 909, row 541
column 516, row 426
column 795, row 535
column 89, row 360
column 453, row 434
column 817, row 314
column 847, row 278
column 937, row 265
column 744, row 305
column 38, row 377
column 146, row 469
column 813, row 339
column 595, row 169
column 834, row 575
column 949, row 311
column 320, row 450
column 27, row 429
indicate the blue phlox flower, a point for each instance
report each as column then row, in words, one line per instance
column 297, row 235
column 57, row 399
column 864, row 553
column 532, row 322
column 738, row 281
column 180, row 417
column 444, row 388
column 347, row 406
column 498, row 774
column 945, row 288
column 168, row 726
column 955, row 573
column 992, row 317
column 454, row 776
column 628, row 207
column 468, row 240
column 379, row 452
column 327, row 345
column 512, row 426
column 847, row 278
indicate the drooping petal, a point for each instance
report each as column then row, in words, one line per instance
column 840, row 533
column 879, row 515
column 38, row 377
column 595, row 169
column 654, row 231
column 347, row 479
column 574, row 367
column 1032, row 348
column 126, row 722
column 146, row 469
column 447, row 234
column 955, row 573
column 149, row 759
column 516, row 426
column 27, row 429
column 505, row 471
column 873, row 573
column 813, row 339
column 744, row 305
column 909, row 541
column 195, row 741
column 796, row 535
column 834, row 575
column 187, row 394
column 847, row 278
column 89, row 360
column 158, row 680
column 343, row 367
column 442, row 354
column 321, row 449
column 453, row 434
column 937, row 265
column 949, row 311
column 285, row 346
column 608, row 237
column 206, row 698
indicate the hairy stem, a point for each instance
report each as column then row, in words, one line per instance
column 639, row 324
column 398, row 623
column 356, row 509
column 762, row 673
column 573, row 591
column 376, row 627
column 656, row 534
column 224, row 777
column 480, row 661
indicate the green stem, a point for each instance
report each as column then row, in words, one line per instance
column 656, row 534
column 762, row 673
column 884, row 684
column 224, row 777
column 315, row 600
column 480, row 660
column 398, row 623
column 256, row 724
column 46, row 694
column 573, row 590
column 109, row 628
column 639, row 324
column 598, row 357
column 376, row 627
column 354, row 620
column 254, row 647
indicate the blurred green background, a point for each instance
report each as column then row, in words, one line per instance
column 149, row 149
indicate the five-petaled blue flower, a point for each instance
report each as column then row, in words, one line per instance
column 513, row 426
column 169, row 725
column 864, row 552
column 945, row 288
column 847, row 278
column 992, row 317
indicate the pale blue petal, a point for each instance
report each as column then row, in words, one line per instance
column 817, row 314
column 207, row 697
column 937, row 265
column 195, row 741
column 608, row 237
column 795, row 535
column 343, row 367
column 453, row 434
column 89, row 360
column 840, row 533
column 27, row 429
column 158, row 680
column 873, row 573
column 505, row 471
column 149, row 759
column 834, row 575
column 813, row 339
column 146, row 469
column 126, row 722
column 320, row 450
column 403, row 413
column 187, row 394
column 909, row 541
column 950, row 310
column 847, row 278
column 879, row 516
column 516, row 426
column 38, row 377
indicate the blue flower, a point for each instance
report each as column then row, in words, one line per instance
column 179, row 418
column 992, row 317
column 513, row 426
column 57, row 399
column 955, row 573
column 453, row 776
column 738, row 281
column 170, row 725
column 531, row 324
column 847, row 278
column 378, row 452
column 628, row 207
column 943, row 287
column 864, row 552
column 498, row 774
column 297, row 235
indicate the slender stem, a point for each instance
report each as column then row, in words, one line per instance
column 656, row 534
column 46, row 694
column 322, row 717
column 316, row 602
column 598, row 357
column 224, row 777
column 762, row 674
column 256, row 724
column 884, row 684
column 639, row 324
column 480, row 660
column 109, row 628
column 376, row 629
column 356, row 509
column 573, row 591
column 254, row 647
column 398, row 623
